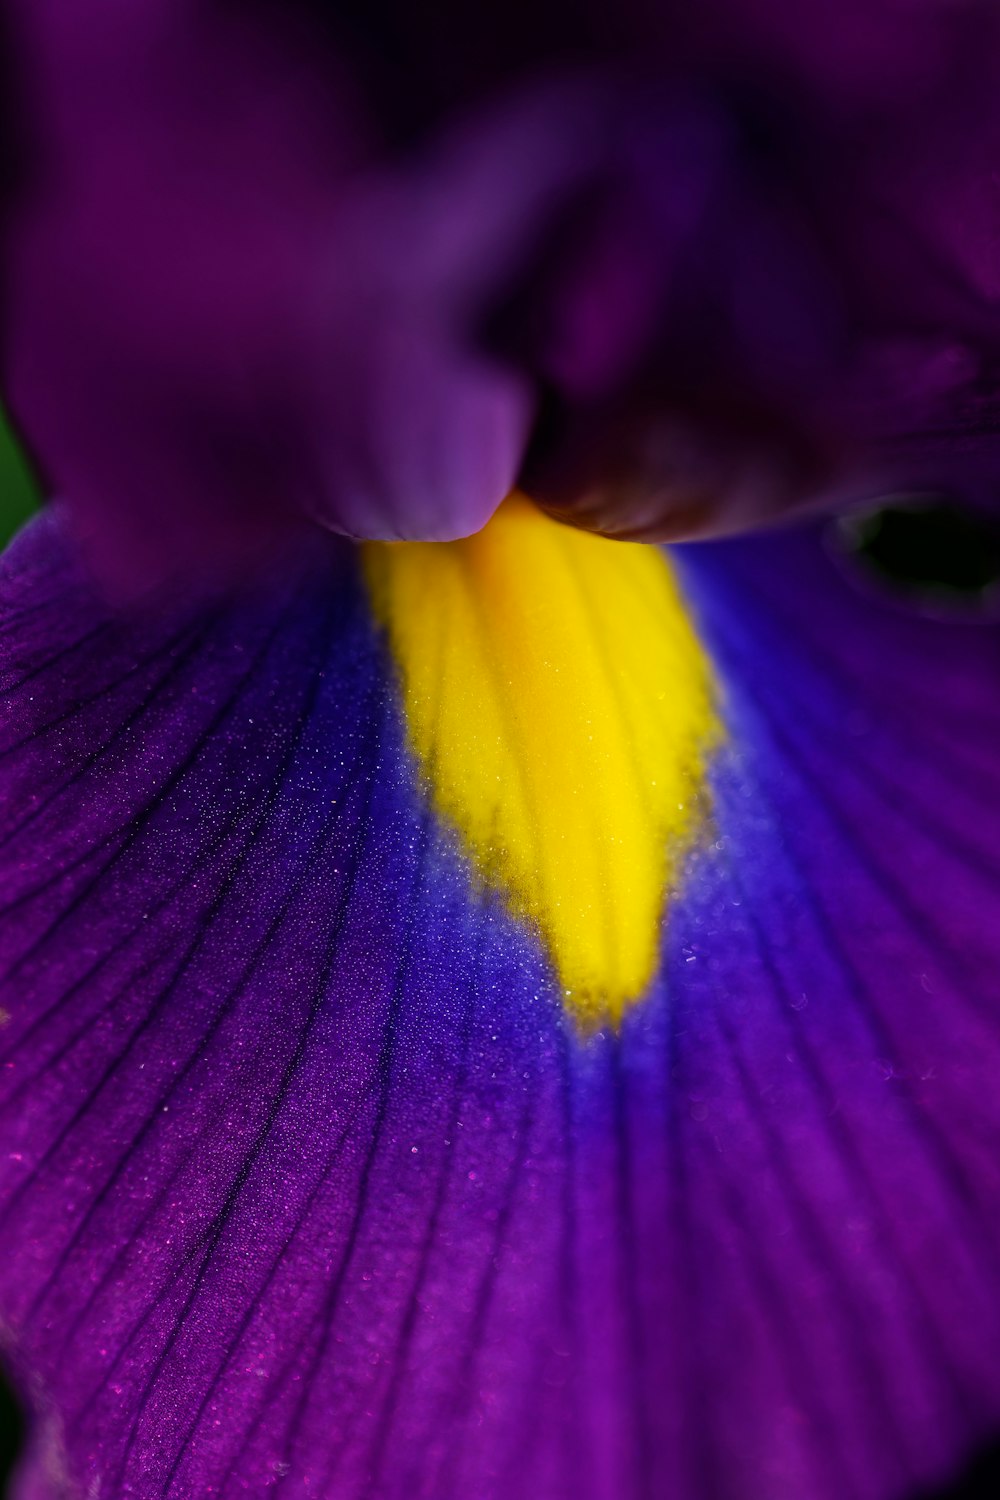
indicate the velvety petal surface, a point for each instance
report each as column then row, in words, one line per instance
column 311, row 1185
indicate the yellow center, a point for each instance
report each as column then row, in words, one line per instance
column 561, row 710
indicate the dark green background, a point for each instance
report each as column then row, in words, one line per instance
column 18, row 494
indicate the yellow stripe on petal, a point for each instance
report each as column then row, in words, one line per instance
column 561, row 709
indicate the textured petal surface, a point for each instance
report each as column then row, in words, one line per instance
column 308, row 1181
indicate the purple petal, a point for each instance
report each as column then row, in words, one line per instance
column 674, row 273
column 215, row 310
column 307, row 1181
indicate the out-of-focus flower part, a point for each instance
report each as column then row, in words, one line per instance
column 826, row 324
column 673, row 271
column 221, row 319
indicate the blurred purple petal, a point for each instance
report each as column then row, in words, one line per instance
column 827, row 326
column 674, row 271
column 307, row 1183
column 226, row 313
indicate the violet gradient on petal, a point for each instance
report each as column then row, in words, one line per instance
column 307, row 1180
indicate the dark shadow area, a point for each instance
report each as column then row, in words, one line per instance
column 933, row 555
column 981, row 1480
column 11, row 1434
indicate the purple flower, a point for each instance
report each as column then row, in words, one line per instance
column 311, row 1179
column 507, row 1016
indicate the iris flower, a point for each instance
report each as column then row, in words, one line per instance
column 490, row 1010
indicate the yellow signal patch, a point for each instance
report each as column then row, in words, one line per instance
column 561, row 710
